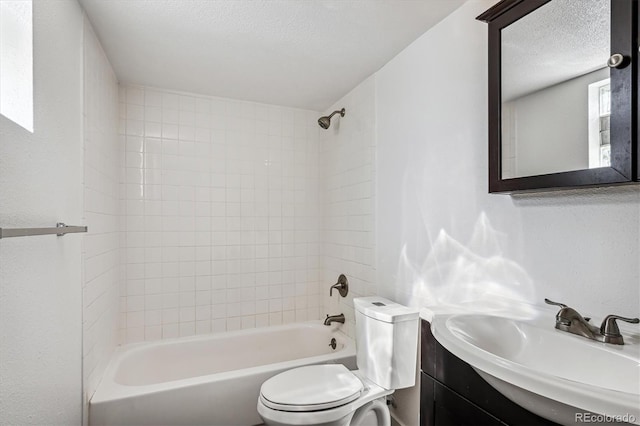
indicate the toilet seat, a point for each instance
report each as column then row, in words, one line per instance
column 370, row 397
column 311, row 388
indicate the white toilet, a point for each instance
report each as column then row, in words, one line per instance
column 330, row 394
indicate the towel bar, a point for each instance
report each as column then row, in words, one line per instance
column 60, row 229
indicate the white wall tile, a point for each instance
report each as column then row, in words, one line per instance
column 103, row 151
column 347, row 200
column 209, row 191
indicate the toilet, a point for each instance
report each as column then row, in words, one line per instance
column 330, row 394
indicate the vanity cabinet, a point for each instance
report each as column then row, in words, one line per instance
column 453, row 394
column 563, row 94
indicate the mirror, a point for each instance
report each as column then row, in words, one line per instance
column 556, row 89
column 563, row 105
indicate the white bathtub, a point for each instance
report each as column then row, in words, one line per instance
column 208, row 380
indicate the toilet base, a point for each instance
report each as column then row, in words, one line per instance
column 373, row 413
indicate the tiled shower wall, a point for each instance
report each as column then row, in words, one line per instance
column 347, row 188
column 221, row 214
column 101, row 250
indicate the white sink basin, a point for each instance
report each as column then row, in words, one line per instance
column 552, row 373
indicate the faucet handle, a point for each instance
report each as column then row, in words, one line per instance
column 551, row 302
column 609, row 326
column 342, row 286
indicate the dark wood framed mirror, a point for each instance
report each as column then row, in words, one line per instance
column 563, row 103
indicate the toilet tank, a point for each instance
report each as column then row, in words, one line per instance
column 386, row 341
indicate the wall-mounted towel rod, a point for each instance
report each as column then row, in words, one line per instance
column 60, row 229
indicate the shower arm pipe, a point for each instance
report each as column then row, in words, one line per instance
column 338, row 111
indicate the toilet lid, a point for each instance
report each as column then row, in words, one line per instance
column 311, row 388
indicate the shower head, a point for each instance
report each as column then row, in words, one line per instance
column 325, row 121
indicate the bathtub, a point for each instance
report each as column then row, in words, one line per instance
column 208, row 380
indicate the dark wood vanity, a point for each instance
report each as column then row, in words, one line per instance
column 563, row 94
column 453, row 394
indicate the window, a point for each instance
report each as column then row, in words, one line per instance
column 16, row 62
column 599, row 124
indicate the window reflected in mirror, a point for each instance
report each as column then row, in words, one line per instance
column 600, row 124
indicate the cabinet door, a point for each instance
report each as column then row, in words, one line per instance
column 450, row 409
column 562, row 94
column 427, row 401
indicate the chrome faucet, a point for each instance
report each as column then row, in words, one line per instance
column 334, row 318
column 568, row 319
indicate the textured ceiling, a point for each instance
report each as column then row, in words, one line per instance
column 561, row 40
column 299, row 53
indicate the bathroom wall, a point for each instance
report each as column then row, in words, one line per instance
column 553, row 139
column 101, row 250
column 347, row 188
column 221, row 212
column 40, row 276
column 441, row 238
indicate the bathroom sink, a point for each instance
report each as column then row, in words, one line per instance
column 549, row 372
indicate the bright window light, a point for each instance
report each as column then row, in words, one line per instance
column 599, row 119
column 16, row 61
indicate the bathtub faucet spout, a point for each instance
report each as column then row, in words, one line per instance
column 334, row 318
